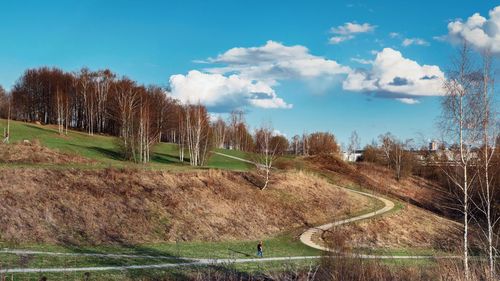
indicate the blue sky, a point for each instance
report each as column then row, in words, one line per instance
column 153, row 41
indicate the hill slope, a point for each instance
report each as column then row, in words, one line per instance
column 137, row 206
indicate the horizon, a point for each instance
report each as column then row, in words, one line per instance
column 342, row 67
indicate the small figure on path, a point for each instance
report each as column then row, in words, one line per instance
column 259, row 250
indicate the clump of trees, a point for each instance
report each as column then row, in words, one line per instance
column 314, row 144
column 97, row 102
column 195, row 133
column 392, row 153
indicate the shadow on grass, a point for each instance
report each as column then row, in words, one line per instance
column 165, row 158
column 46, row 130
column 184, row 272
column 105, row 152
column 242, row 253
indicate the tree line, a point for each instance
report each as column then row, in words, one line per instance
column 102, row 102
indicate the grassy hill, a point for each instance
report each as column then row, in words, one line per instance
column 104, row 149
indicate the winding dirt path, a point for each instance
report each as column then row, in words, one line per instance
column 307, row 237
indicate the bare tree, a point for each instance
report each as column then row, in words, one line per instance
column 220, row 130
column 60, row 103
column 265, row 153
column 322, row 143
column 182, row 133
column 460, row 121
column 305, row 144
column 103, row 82
column 197, row 133
column 489, row 136
column 353, row 143
column 296, row 144
column 395, row 153
column 127, row 100
column 85, row 85
column 5, row 105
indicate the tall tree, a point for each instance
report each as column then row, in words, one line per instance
column 198, row 136
column 353, row 143
column 220, row 132
column 266, row 153
column 487, row 189
column 460, row 121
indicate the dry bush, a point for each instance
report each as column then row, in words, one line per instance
column 284, row 164
column 343, row 268
column 33, row 152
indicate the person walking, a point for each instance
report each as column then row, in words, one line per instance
column 259, row 250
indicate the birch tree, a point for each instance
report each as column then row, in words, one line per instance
column 353, row 143
column 103, row 82
column 460, row 122
column 220, row 132
column 197, row 134
column 127, row 99
column 486, row 188
column 5, row 111
column 265, row 153
column 85, row 84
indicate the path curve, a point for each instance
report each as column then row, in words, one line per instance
column 307, row 237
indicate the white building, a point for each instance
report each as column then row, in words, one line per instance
column 352, row 156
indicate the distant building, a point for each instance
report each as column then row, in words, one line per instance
column 352, row 156
column 434, row 145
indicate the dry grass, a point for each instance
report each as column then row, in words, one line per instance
column 33, row 152
column 106, row 206
column 410, row 227
column 415, row 190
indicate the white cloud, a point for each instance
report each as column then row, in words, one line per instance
column 362, row 61
column 352, row 28
column 414, row 41
column 246, row 76
column 348, row 30
column 480, row 32
column 408, row 100
column 392, row 75
column 221, row 93
column 339, row 39
column 275, row 61
column 278, row 133
column 393, row 34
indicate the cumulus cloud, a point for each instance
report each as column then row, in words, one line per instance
column 414, row 41
column 246, row 76
column 275, row 61
column 392, row 75
column 221, row 93
column 482, row 33
column 348, row 30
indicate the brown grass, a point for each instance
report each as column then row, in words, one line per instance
column 103, row 206
column 33, row 152
column 410, row 227
column 418, row 191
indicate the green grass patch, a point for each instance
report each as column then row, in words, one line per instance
column 105, row 150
